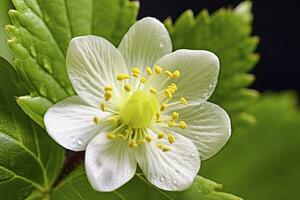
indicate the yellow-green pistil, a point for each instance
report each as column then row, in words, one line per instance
column 139, row 110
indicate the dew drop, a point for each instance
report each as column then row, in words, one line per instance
column 161, row 45
column 162, row 179
column 194, row 155
column 187, row 162
column 176, row 172
column 79, row 141
column 106, row 186
column 154, row 176
column 174, row 181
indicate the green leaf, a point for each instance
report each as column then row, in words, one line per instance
column 34, row 107
column 227, row 33
column 262, row 162
column 76, row 186
column 29, row 159
column 40, row 35
column 5, row 52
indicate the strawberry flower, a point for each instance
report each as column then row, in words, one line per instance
column 140, row 104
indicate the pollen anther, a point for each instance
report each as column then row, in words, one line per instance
column 149, row 71
column 175, row 115
column 163, row 107
column 161, row 135
column 122, row 77
column 96, row 120
column 103, row 107
column 127, row 87
column 107, row 95
column 183, row 101
column 176, row 73
column 171, row 138
column 148, row 138
column 153, row 90
column 143, row 80
column 182, row 125
column 168, row 73
column 108, row 88
column 111, row 136
column 171, row 123
column 158, row 69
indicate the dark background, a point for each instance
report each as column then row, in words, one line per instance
column 275, row 22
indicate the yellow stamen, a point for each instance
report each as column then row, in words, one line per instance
column 182, row 125
column 142, row 141
column 174, row 86
column 108, row 88
column 111, row 136
column 103, row 107
column 107, row 95
column 171, row 123
column 176, row 73
column 121, row 136
column 165, row 149
column 158, row 69
column 135, row 75
column 113, row 119
column 157, row 116
column 153, row 90
column 171, row 89
column 96, row 120
column 168, row 94
column 159, row 145
column 127, row 87
column 148, row 138
column 161, row 135
column 133, row 144
column 168, row 73
column 171, row 138
column 135, row 70
column 143, row 80
column 149, row 71
column 183, row 101
column 122, row 77
column 175, row 115
column 163, row 107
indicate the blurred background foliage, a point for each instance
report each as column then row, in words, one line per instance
column 260, row 161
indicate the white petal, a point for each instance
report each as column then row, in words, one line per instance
column 70, row 123
column 109, row 164
column 208, row 126
column 199, row 73
column 146, row 42
column 174, row 170
column 92, row 63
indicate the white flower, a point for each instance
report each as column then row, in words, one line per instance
column 140, row 104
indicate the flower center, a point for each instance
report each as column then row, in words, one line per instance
column 141, row 118
column 139, row 110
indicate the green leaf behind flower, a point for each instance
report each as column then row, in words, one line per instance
column 263, row 162
column 5, row 52
column 40, row 35
column 29, row 159
column 227, row 33
column 76, row 186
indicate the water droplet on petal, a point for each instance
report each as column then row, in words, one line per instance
column 79, row 141
column 161, row 45
column 194, row 154
column 106, row 187
column 162, row 179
